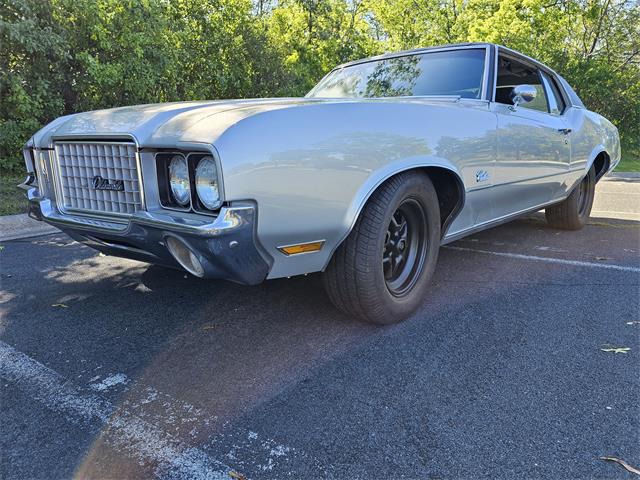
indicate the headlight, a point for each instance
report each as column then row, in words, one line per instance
column 179, row 180
column 207, row 183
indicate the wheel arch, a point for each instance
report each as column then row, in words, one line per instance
column 445, row 178
column 601, row 161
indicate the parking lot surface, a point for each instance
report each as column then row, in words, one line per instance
column 522, row 363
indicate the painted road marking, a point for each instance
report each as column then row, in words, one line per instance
column 560, row 261
column 110, row 381
column 127, row 432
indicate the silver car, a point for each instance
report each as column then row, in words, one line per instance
column 386, row 159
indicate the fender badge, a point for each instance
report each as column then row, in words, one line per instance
column 482, row 176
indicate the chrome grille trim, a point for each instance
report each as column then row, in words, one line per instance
column 78, row 162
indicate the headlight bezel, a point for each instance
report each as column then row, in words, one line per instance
column 192, row 157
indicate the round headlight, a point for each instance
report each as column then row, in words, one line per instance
column 207, row 183
column 179, row 180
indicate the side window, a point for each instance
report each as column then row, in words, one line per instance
column 512, row 73
column 556, row 102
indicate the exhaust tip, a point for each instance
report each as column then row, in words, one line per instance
column 185, row 256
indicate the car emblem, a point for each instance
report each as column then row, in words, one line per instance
column 100, row 183
column 482, row 176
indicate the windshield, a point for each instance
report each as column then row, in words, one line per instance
column 453, row 72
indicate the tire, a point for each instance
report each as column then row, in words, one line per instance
column 361, row 279
column 573, row 212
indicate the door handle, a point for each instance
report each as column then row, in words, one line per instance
column 565, row 131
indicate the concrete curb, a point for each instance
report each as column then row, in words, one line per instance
column 624, row 175
column 14, row 227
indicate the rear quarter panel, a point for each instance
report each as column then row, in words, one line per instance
column 591, row 134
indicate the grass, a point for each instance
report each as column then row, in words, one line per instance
column 630, row 162
column 12, row 199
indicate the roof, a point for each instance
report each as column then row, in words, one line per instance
column 414, row 51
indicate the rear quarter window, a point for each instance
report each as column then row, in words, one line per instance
column 573, row 96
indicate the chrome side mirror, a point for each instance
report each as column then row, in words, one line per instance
column 522, row 94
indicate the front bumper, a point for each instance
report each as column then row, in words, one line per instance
column 226, row 246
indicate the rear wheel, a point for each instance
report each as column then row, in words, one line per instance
column 574, row 211
column 381, row 271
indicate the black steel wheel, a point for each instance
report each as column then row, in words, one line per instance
column 405, row 247
column 381, row 271
column 583, row 196
column 574, row 211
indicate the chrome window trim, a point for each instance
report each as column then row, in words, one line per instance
column 495, row 75
column 485, row 75
column 548, row 87
column 563, row 93
column 84, row 139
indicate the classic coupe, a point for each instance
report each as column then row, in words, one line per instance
column 382, row 162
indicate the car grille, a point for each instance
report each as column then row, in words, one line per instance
column 99, row 176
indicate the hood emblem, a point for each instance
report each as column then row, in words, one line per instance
column 100, row 183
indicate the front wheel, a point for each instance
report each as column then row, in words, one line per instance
column 573, row 212
column 381, row 271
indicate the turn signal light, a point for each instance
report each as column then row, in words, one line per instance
column 302, row 248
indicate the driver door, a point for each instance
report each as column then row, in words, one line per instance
column 534, row 150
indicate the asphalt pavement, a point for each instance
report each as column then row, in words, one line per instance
column 523, row 362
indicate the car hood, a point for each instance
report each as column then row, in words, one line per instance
column 170, row 124
column 163, row 124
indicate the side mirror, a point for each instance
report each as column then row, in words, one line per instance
column 522, row 94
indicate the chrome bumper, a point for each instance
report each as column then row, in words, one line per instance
column 226, row 245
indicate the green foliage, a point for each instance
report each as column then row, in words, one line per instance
column 63, row 56
column 31, row 47
column 12, row 199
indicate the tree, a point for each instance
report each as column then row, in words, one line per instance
column 64, row 56
column 32, row 48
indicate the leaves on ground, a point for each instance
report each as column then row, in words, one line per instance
column 237, row 476
column 60, row 305
column 622, row 463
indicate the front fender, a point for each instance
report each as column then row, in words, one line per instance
column 311, row 168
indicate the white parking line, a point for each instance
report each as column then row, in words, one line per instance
column 561, row 261
column 126, row 431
